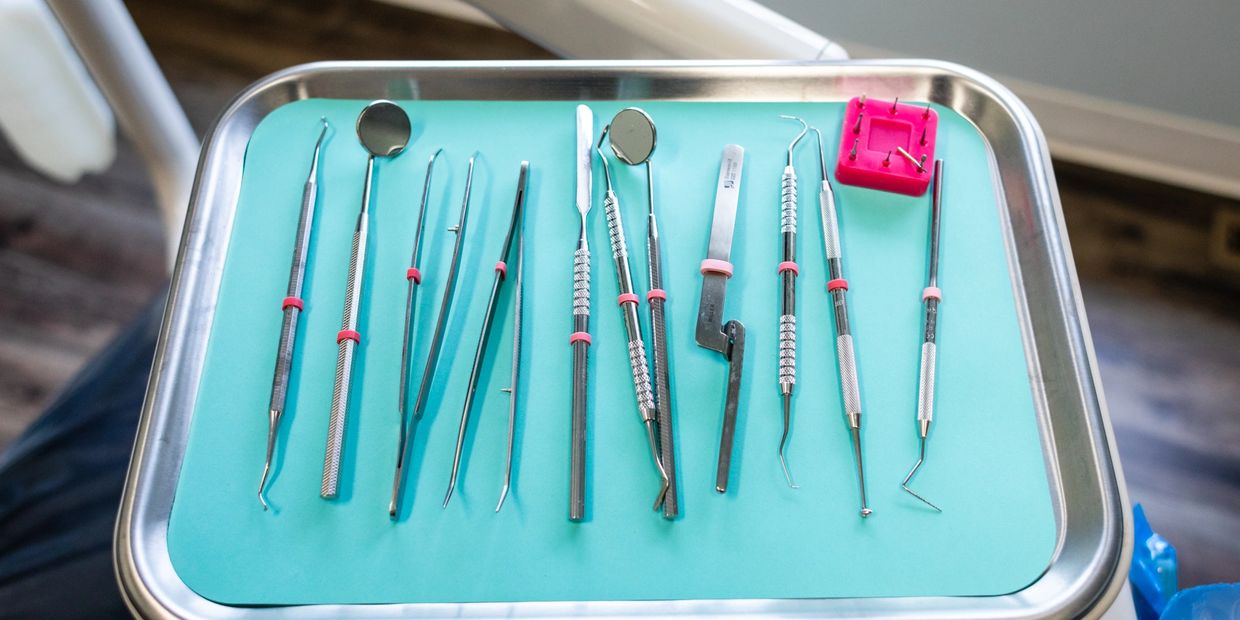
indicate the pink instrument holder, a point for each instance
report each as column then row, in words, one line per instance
column 885, row 125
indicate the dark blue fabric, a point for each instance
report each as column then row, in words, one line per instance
column 60, row 486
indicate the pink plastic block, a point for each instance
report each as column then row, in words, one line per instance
column 868, row 155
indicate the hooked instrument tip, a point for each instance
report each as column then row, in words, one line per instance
column 783, row 440
column 664, row 483
column 261, row 485
column 916, row 466
column 804, row 130
column 323, row 131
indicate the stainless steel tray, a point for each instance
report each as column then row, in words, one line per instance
column 1093, row 549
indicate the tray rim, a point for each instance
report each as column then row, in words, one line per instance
column 1088, row 566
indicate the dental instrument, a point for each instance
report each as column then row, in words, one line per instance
column 501, row 273
column 712, row 332
column 383, row 128
column 632, row 326
column 579, row 340
column 632, row 138
column 931, row 297
column 788, row 273
column 837, row 287
column 414, row 275
column 408, row 427
column 292, row 308
column 518, row 300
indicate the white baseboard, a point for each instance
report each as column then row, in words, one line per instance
column 1121, row 137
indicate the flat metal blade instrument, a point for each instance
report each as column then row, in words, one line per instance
column 579, row 340
column 713, row 333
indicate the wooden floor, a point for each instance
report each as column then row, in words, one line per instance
column 76, row 262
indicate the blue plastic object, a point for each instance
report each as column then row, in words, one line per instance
column 1215, row 602
column 1153, row 572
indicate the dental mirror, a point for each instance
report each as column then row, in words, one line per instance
column 632, row 136
column 383, row 128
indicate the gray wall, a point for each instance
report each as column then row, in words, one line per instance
column 1177, row 57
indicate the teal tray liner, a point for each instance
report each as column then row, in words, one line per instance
column 762, row 539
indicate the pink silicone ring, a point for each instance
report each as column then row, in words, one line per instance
column 627, row 298
column 348, row 334
column 656, row 293
column 932, row 292
column 413, row 274
column 722, row 267
column 502, row 268
column 836, row 284
column 579, row 337
column 789, row 266
column 294, row 302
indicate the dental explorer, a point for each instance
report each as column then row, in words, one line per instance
column 405, row 442
column 837, row 287
column 579, row 340
column 501, row 273
column 931, row 296
column 291, row 308
column 633, row 138
column 712, row 332
column 384, row 129
column 628, row 309
column 788, row 272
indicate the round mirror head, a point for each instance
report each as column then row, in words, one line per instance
column 632, row 136
column 383, row 128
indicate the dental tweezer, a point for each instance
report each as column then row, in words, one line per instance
column 409, row 425
column 501, row 275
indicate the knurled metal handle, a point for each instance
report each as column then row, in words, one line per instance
column 344, row 372
column 925, row 390
column 848, row 375
column 615, row 228
column 641, row 379
column 336, row 422
column 788, row 201
column 830, row 223
column 577, row 448
column 787, row 349
column 581, row 352
column 581, row 282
